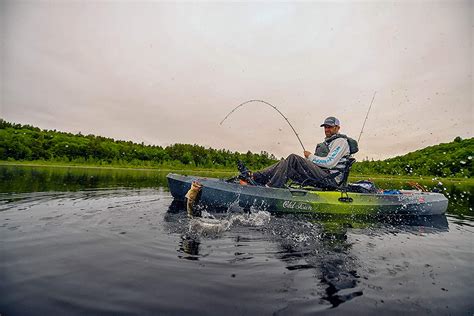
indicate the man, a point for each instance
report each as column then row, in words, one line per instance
column 323, row 168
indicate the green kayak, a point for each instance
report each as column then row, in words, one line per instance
column 221, row 194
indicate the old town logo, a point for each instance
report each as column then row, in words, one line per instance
column 296, row 205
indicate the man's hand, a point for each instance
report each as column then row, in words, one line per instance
column 307, row 153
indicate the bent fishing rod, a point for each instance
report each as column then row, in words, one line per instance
column 366, row 116
column 272, row 106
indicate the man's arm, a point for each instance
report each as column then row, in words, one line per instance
column 338, row 149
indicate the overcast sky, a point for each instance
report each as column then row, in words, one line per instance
column 169, row 72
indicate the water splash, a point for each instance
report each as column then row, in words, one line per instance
column 209, row 225
column 253, row 219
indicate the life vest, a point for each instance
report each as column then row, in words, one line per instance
column 322, row 149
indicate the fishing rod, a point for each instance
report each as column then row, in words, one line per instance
column 274, row 107
column 366, row 116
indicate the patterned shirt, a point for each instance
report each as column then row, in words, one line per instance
column 336, row 158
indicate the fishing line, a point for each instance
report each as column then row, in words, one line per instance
column 366, row 116
column 274, row 107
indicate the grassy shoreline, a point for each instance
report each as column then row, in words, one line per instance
column 112, row 167
column 354, row 176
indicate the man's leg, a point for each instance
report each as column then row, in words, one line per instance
column 298, row 169
column 263, row 176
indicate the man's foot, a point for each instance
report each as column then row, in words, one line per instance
column 245, row 177
column 241, row 167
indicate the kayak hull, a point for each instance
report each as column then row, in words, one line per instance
column 220, row 194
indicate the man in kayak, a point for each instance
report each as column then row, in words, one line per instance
column 323, row 168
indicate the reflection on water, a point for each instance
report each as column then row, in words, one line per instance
column 119, row 244
column 39, row 179
column 312, row 242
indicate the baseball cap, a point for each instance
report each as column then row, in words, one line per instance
column 331, row 121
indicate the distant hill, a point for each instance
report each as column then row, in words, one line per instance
column 452, row 159
column 28, row 143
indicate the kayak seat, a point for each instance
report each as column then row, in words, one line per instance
column 345, row 173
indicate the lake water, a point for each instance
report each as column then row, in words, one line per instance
column 111, row 242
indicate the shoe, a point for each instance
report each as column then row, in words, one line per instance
column 242, row 168
column 245, row 176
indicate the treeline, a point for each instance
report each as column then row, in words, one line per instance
column 452, row 159
column 28, row 143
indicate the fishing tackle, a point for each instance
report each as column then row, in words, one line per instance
column 366, row 116
column 274, row 107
